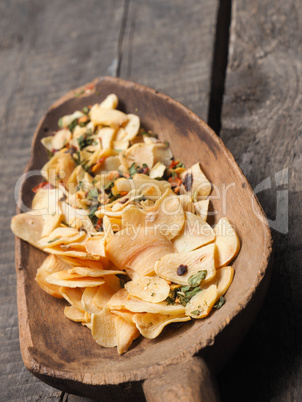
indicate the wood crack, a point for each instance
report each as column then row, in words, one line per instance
column 119, row 56
column 219, row 64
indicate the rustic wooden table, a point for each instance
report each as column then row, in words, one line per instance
column 246, row 85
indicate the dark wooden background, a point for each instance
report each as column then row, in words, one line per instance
column 247, row 86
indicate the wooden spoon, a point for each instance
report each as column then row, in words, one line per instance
column 63, row 353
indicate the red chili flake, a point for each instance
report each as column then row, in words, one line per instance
column 173, row 164
column 83, row 119
column 182, row 270
column 88, row 87
column 175, row 181
column 99, row 224
column 143, row 170
column 98, row 164
column 123, row 201
column 45, row 185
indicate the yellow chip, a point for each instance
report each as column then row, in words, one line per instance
column 150, row 289
column 96, row 246
column 85, row 271
column 50, row 265
column 76, row 282
column 110, row 102
column 151, row 325
column 196, row 233
column 195, row 183
column 103, row 295
column 69, row 253
column 62, row 235
column 87, row 300
column 103, row 328
column 61, row 166
column 118, row 300
column 137, row 250
column 139, row 154
column 126, row 332
column 201, row 208
column 222, row 279
column 108, row 117
column 138, row 306
column 201, row 304
column 166, row 217
column 192, row 261
column 227, row 242
column 126, row 315
column 73, row 296
column 187, row 203
column 28, row 227
column 74, row 314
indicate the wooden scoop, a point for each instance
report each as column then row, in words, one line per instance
column 174, row 366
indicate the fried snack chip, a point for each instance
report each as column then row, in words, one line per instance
column 73, row 296
column 126, row 333
column 137, row 251
column 150, row 289
column 74, row 314
column 165, row 217
column 179, row 267
column 151, row 325
column 87, row 300
column 118, row 300
column 64, row 279
column 50, row 265
column 103, row 328
column 195, row 234
column 28, row 227
column 202, row 208
column 227, row 242
column 139, row 306
column 201, row 304
column 196, row 183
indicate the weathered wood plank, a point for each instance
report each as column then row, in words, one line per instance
column 46, row 48
column 261, row 124
column 168, row 45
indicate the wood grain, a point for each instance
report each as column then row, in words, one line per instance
column 168, row 45
column 261, row 124
column 46, row 48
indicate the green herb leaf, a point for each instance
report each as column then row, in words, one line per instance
column 49, row 154
column 73, row 124
column 189, row 294
column 85, row 110
column 92, row 211
column 152, row 294
column 79, row 93
column 132, row 169
column 195, row 279
column 179, row 165
column 53, row 240
column 166, row 143
column 219, row 303
column 93, row 193
column 60, row 122
column 196, row 312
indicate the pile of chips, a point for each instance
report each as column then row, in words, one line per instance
column 125, row 227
